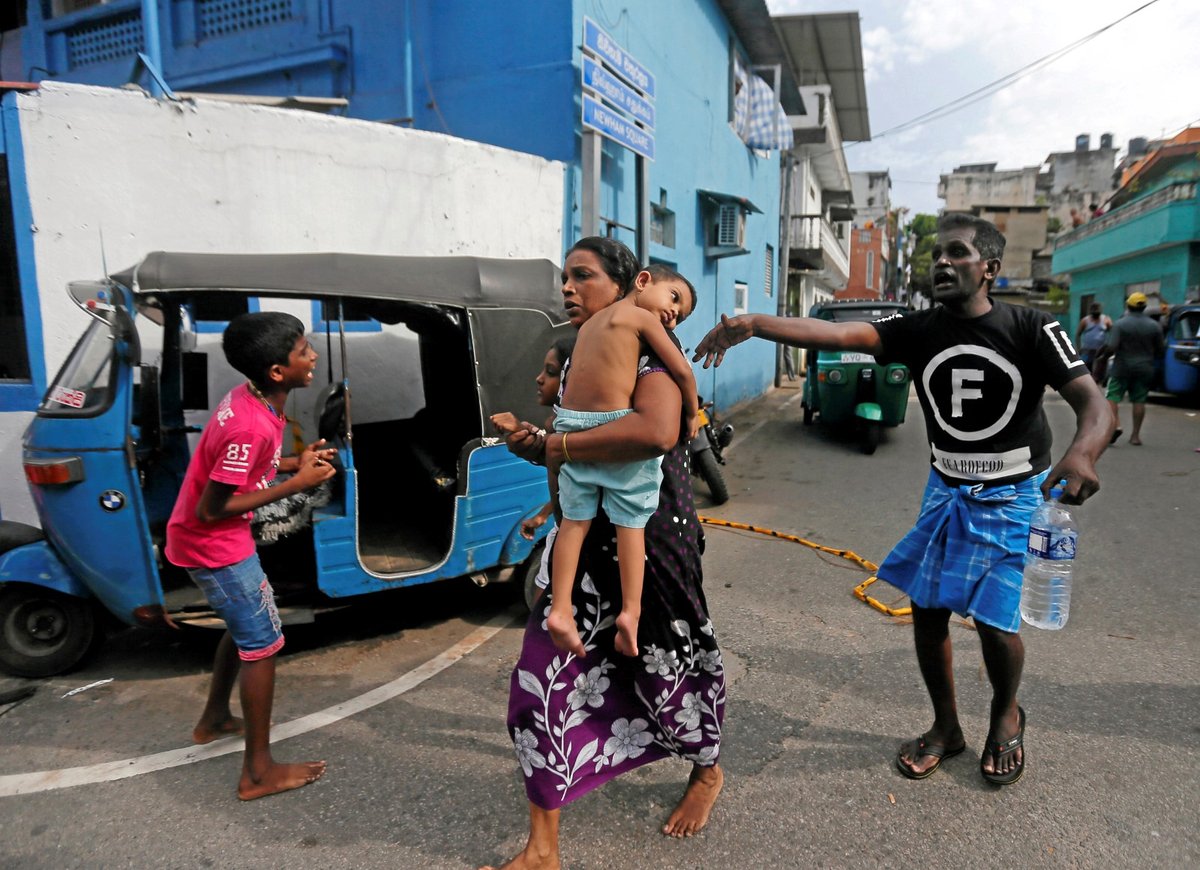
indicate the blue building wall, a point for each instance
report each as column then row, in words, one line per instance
column 503, row 73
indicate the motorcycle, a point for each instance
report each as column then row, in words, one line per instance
column 705, row 452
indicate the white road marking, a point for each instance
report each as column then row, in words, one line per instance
column 763, row 422
column 47, row 780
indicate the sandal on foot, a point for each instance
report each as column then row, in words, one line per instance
column 1117, row 433
column 925, row 748
column 1003, row 750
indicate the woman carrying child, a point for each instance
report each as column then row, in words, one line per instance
column 578, row 722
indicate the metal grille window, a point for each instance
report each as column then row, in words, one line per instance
column 223, row 17
column 110, row 39
column 769, row 270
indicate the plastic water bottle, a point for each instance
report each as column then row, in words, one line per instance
column 1049, row 562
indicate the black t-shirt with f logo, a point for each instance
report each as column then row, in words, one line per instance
column 980, row 383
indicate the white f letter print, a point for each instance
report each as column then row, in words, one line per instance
column 959, row 390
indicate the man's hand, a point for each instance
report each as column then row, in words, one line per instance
column 691, row 425
column 727, row 333
column 1079, row 472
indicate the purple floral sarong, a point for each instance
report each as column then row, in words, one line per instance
column 577, row 723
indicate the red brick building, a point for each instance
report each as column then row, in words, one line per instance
column 868, row 263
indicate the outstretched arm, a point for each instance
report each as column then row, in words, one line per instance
column 1094, row 426
column 792, row 331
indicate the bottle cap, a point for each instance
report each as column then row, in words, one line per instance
column 1056, row 493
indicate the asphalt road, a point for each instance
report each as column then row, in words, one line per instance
column 822, row 690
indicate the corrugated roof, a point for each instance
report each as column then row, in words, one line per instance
column 826, row 49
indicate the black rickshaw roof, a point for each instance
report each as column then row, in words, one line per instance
column 467, row 282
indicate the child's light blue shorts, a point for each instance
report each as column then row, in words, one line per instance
column 241, row 595
column 628, row 491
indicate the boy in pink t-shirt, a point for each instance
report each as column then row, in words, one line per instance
column 209, row 534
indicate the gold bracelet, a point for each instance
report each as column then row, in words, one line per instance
column 566, row 455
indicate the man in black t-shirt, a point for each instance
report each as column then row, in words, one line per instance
column 980, row 367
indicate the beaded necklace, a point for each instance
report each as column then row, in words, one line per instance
column 257, row 393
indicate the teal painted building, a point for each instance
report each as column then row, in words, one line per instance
column 1148, row 241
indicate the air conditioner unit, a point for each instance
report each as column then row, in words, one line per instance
column 730, row 229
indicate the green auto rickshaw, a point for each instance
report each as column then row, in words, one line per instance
column 850, row 388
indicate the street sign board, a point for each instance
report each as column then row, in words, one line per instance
column 601, row 44
column 598, row 117
column 616, row 92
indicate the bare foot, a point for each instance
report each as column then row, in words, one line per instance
column 528, row 859
column 206, row 732
column 279, row 778
column 564, row 633
column 1135, row 441
column 691, row 814
column 626, row 640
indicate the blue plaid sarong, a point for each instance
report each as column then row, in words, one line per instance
column 966, row 552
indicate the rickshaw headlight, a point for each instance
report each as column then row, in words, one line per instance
column 897, row 375
column 835, row 376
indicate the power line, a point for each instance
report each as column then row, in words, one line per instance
column 1000, row 83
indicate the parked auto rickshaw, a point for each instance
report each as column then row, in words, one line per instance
column 1181, row 360
column 416, row 354
column 849, row 388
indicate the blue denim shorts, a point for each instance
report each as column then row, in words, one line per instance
column 242, row 596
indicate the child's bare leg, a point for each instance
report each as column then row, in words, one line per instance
column 561, row 621
column 217, row 720
column 631, row 558
column 541, row 852
column 261, row 774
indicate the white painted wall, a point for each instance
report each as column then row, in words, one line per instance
column 210, row 176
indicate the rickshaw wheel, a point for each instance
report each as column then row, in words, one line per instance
column 529, row 588
column 870, row 436
column 43, row 632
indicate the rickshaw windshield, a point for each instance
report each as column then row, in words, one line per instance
column 1187, row 326
column 84, row 384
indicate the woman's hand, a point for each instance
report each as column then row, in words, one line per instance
column 521, row 438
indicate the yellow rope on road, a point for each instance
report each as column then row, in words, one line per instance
column 860, row 591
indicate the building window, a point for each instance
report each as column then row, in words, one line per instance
column 223, row 17
column 14, row 353
column 662, row 222
column 1153, row 291
column 741, row 297
column 870, row 270
column 864, row 238
column 769, row 270
column 105, row 39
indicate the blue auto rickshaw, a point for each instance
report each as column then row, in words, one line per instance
column 852, row 389
column 417, row 353
column 1181, row 359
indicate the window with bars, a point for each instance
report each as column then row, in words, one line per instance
column 769, row 270
column 223, row 17
column 109, row 39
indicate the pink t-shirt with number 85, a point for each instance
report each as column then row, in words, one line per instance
column 240, row 446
